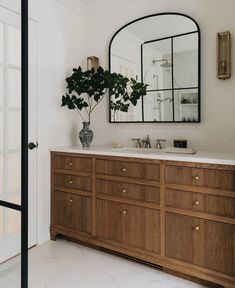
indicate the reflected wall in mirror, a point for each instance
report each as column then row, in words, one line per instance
column 163, row 51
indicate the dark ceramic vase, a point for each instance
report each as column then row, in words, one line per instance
column 86, row 135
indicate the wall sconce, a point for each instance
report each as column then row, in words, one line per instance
column 93, row 62
column 224, row 55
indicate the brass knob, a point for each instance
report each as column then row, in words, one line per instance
column 197, row 228
column 124, row 212
column 124, row 169
column 70, row 182
column 123, row 190
column 196, row 202
column 71, row 200
column 196, row 177
column 70, row 164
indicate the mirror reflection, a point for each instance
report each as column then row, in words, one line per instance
column 167, row 59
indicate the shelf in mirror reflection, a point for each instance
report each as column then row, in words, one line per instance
column 186, row 103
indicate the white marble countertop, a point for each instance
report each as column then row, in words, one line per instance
column 209, row 157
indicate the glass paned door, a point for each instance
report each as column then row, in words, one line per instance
column 10, row 131
column 10, row 122
column 10, row 151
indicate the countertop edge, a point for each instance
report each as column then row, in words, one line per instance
column 199, row 157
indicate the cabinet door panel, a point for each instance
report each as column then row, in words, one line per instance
column 183, row 242
column 208, row 244
column 72, row 211
column 110, row 220
column 142, row 228
column 219, row 247
column 131, row 225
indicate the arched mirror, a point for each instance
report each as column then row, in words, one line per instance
column 163, row 51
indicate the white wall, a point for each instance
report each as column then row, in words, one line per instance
column 218, row 98
column 60, row 47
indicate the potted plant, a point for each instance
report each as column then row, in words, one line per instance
column 86, row 89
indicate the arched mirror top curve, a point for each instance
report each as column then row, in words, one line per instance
column 163, row 51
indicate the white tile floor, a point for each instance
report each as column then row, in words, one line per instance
column 64, row 264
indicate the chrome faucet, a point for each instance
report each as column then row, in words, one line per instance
column 138, row 142
column 159, row 146
column 146, row 142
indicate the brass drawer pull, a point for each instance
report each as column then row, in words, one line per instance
column 71, row 200
column 124, row 170
column 196, row 203
column 123, row 190
column 70, row 164
column 197, row 228
column 196, row 177
column 124, row 212
column 70, row 182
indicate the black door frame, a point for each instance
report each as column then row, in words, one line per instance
column 23, row 208
column 24, row 144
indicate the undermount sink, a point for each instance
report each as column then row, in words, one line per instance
column 137, row 150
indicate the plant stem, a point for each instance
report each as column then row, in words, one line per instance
column 81, row 115
column 98, row 101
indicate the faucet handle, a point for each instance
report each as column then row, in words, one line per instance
column 159, row 146
column 138, row 142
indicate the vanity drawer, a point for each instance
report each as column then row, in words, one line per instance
column 128, row 224
column 208, row 244
column 72, row 211
column 141, row 193
column 136, row 170
column 217, row 205
column 78, row 164
column 72, row 181
column 208, row 178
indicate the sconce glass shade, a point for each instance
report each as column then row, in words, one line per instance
column 92, row 62
column 224, row 55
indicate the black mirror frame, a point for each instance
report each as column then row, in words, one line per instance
column 199, row 69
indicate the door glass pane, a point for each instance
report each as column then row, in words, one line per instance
column 10, row 144
column 13, row 173
column 14, row 46
column 1, row 223
column 1, row 87
column 14, row 130
column 1, row 175
column 1, row 42
column 10, row 237
column 14, row 88
column 1, row 131
column 13, row 217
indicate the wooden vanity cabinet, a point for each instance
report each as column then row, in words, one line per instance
column 129, row 225
column 176, row 215
column 208, row 244
column 72, row 211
